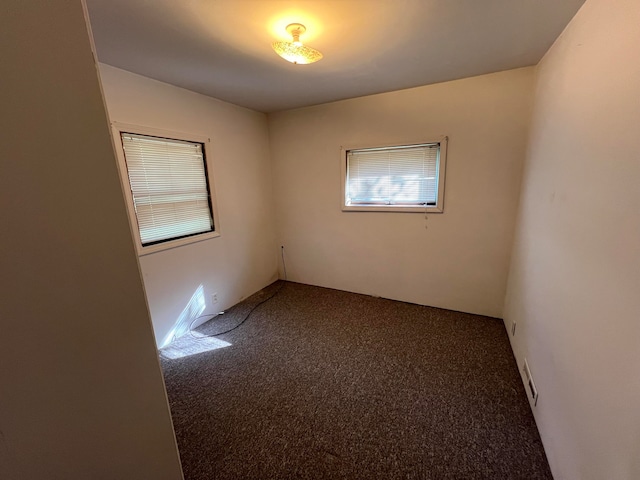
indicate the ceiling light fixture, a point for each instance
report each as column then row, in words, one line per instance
column 295, row 51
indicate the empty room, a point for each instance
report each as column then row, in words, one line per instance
column 320, row 239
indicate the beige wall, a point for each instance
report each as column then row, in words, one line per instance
column 574, row 287
column 461, row 261
column 81, row 392
column 244, row 258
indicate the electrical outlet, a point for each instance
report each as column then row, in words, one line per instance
column 214, row 298
column 513, row 328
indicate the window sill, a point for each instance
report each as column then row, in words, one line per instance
column 390, row 208
column 159, row 247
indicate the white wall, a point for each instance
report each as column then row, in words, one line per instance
column 244, row 258
column 461, row 261
column 81, row 392
column 574, row 286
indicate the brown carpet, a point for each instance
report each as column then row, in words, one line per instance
column 324, row 384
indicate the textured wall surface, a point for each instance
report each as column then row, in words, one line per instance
column 575, row 276
column 244, row 258
column 461, row 261
column 81, row 391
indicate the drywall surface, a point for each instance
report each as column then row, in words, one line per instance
column 461, row 260
column 81, row 391
column 574, row 286
column 244, row 258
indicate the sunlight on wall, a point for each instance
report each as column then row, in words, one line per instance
column 178, row 345
column 193, row 309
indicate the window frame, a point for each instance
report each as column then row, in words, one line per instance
column 440, row 169
column 117, row 130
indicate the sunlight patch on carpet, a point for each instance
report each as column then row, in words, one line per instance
column 187, row 345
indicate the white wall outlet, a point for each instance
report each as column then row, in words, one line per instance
column 513, row 328
column 532, row 386
column 214, row 298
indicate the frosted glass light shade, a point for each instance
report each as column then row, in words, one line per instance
column 295, row 51
column 298, row 54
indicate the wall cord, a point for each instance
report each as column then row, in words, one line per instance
column 246, row 317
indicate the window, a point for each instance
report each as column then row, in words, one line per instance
column 167, row 184
column 396, row 178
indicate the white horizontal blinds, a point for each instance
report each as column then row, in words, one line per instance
column 393, row 175
column 169, row 185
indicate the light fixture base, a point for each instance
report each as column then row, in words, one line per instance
column 296, row 29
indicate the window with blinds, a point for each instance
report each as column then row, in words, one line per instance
column 169, row 186
column 406, row 176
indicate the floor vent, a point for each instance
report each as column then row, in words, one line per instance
column 532, row 386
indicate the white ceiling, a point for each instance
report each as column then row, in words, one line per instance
column 222, row 48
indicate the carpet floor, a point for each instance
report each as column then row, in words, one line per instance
column 325, row 384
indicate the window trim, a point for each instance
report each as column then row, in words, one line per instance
column 117, row 129
column 441, row 169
